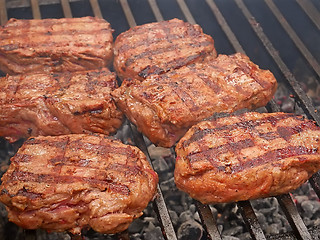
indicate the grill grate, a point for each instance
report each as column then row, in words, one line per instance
column 219, row 14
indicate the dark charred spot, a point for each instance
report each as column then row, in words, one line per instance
column 4, row 192
column 149, row 70
column 29, row 130
column 10, row 47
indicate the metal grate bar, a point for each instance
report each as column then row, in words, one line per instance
column 298, row 42
column 225, row 27
column 35, row 9
column 300, row 94
column 3, row 12
column 293, row 216
column 303, row 98
column 159, row 203
column 251, row 220
column 128, row 13
column 315, row 183
column 208, row 221
column 186, row 12
column 96, row 8
column 66, row 8
column 311, row 11
column 155, row 9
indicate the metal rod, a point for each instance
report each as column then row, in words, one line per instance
column 96, row 8
column 3, row 12
column 35, row 9
column 305, row 101
column 295, row 220
column 128, row 13
column 251, row 220
column 311, row 11
column 208, row 221
column 66, row 8
column 297, row 41
column 186, row 12
column 156, row 11
column 159, row 204
column 225, row 27
column 315, row 183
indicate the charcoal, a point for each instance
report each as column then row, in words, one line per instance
column 153, row 233
column 190, row 230
column 136, row 226
column 310, row 207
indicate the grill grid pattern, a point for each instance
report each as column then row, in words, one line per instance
column 300, row 230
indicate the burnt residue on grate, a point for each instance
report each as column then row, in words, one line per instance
column 282, row 36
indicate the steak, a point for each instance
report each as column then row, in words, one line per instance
column 249, row 156
column 156, row 48
column 58, row 103
column 71, row 182
column 55, row 45
column 164, row 106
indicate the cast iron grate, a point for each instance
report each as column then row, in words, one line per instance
column 237, row 26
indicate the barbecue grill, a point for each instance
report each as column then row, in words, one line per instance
column 282, row 36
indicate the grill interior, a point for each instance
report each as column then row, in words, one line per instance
column 282, row 36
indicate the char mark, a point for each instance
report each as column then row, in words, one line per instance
column 104, row 185
column 249, row 124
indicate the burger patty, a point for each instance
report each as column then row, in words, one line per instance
column 249, row 156
column 58, row 103
column 156, row 48
column 164, row 106
column 70, row 182
column 55, row 45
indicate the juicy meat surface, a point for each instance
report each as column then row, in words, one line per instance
column 156, row 48
column 70, row 182
column 58, row 103
column 249, row 156
column 164, row 107
column 55, row 45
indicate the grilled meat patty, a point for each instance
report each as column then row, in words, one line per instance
column 156, row 48
column 58, row 103
column 55, row 45
column 249, row 156
column 70, row 182
column 163, row 107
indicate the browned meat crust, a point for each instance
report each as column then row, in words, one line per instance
column 246, row 157
column 156, row 48
column 70, row 182
column 163, row 107
column 55, row 45
column 59, row 103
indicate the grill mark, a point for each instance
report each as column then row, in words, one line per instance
column 251, row 70
column 165, row 27
column 102, row 149
column 30, row 195
column 274, row 156
column 60, row 144
column 211, row 84
column 44, row 26
column 57, row 84
column 173, row 64
column 269, row 135
column 269, row 157
column 184, row 96
column 201, row 133
column 286, row 132
column 213, row 153
column 105, row 185
column 155, row 51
